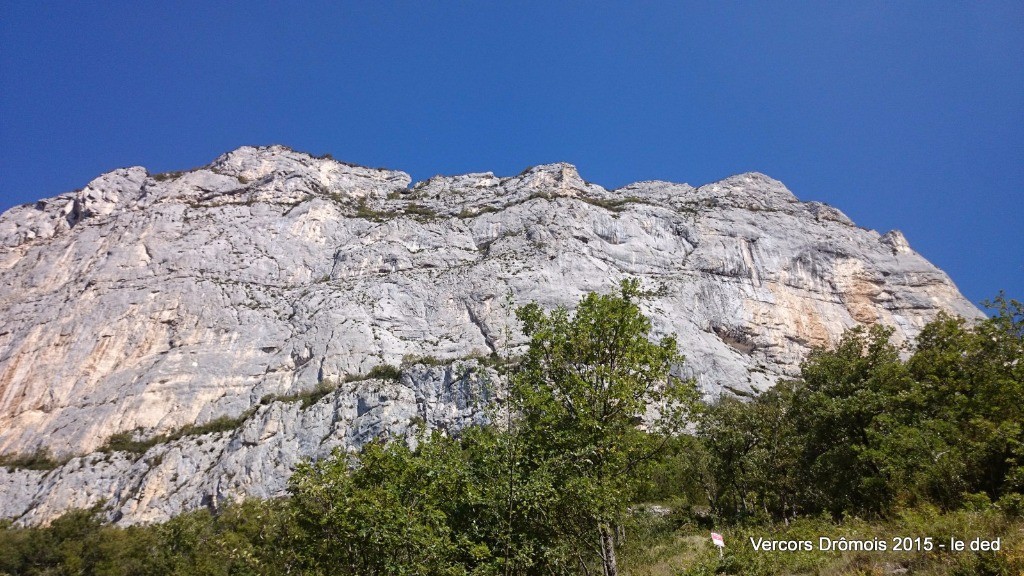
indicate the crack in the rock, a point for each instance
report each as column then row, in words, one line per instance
column 480, row 325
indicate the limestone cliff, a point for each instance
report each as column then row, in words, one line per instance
column 143, row 304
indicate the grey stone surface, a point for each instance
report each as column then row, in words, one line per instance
column 149, row 302
column 256, row 458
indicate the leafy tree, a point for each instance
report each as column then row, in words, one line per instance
column 876, row 432
column 753, row 454
column 971, row 383
column 585, row 387
column 842, row 393
column 393, row 511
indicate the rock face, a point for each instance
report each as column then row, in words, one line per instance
column 257, row 457
column 146, row 303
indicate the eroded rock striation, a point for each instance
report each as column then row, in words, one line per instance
column 143, row 304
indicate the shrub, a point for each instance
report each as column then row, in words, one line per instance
column 385, row 372
column 425, row 212
column 41, row 459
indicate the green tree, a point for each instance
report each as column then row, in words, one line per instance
column 392, row 511
column 876, row 432
column 843, row 392
column 970, row 382
column 753, row 454
column 588, row 383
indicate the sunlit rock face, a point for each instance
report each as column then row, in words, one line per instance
column 144, row 303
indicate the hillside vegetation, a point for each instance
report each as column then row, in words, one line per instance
column 590, row 469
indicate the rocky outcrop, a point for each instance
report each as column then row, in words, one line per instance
column 256, row 457
column 145, row 303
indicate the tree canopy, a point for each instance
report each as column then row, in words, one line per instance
column 589, row 393
column 869, row 428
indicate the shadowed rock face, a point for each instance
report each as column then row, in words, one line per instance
column 145, row 303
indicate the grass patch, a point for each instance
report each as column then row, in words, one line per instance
column 419, row 211
column 412, row 360
column 659, row 546
column 471, row 213
column 484, row 359
column 307, row 397
column 493, row 360
column 41, row 459
column 132, row 443
column 329, row 386
column 364, row 211
column 165, row 176
column 385, row 372
column 615, row 205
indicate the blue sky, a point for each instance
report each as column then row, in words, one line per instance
column 905, row 115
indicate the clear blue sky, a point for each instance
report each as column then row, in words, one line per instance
column 902, row 114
